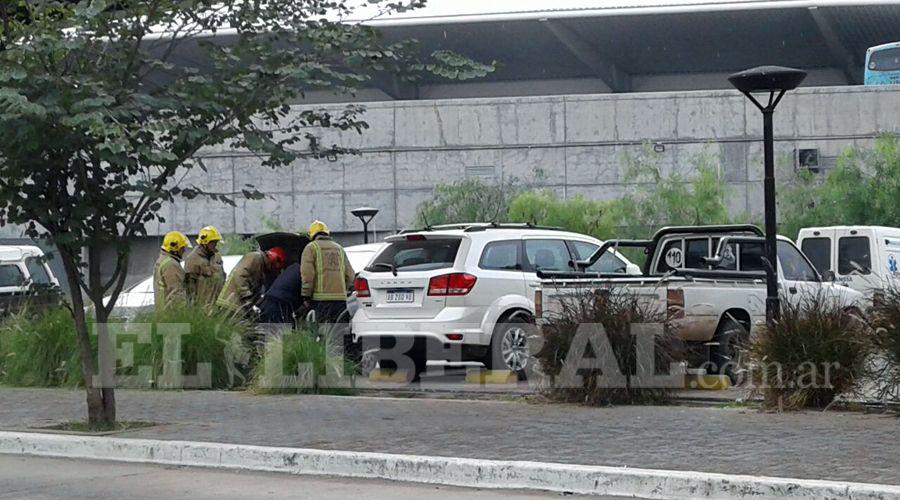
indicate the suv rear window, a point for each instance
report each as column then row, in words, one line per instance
column 854, row 255
column 419, row 255
column 501, row 256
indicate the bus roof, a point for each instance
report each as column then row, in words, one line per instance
column 889, row 45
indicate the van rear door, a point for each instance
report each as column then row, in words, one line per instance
column 819, row 246
column 855, row 259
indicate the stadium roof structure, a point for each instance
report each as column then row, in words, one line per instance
column 682, row 44
column 614, row 40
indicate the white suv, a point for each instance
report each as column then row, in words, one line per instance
column 463, row 292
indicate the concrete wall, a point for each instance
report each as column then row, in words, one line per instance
column 577, row 141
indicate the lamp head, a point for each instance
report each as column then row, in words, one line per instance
column 767, row 79
column 364, row 212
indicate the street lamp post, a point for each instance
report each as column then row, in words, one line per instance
column 776, row 80
column 365, row 215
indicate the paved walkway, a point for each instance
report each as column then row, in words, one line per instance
column 832, row 445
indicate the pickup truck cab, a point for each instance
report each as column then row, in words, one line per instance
column 864, row 258
column 25, row 276
column 709, row 281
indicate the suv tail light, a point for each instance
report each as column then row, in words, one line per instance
column 362, row 287
column 451, row 284
column 675, row 303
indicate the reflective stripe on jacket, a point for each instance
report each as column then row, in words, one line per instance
column 204, row 276
column 168, row 282
column 325, row 270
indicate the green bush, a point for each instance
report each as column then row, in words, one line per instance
column 40, row 350
column 616, row 310
column 209, row 337
column 886, row 321
column 816, row 352
column 468, row 200
column 578, row 214
column 283, row 356
column 863, row 189
column 668, row 199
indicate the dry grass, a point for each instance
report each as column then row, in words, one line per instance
column 616, row 310
column 816, row 352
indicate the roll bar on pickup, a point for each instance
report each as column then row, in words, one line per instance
column 649, row 246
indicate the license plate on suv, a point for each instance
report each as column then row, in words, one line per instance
column 400, row 296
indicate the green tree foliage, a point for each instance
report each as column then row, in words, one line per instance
column 863, row 189
column 666, row 199
column 100, row 119
column 578, row 214
column 468, row 200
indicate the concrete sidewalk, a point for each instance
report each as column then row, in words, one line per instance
column 813, row 445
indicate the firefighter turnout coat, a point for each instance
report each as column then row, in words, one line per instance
column 204, row 276
column 325, row 271
column 168, row 282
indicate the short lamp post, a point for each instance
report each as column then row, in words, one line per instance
column 365, row 215
column 776, row 80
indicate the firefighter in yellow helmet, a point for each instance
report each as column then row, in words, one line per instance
column 168, row 276
column 326, row 274
column 204, row 273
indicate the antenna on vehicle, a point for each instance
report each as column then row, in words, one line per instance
column 425, row 219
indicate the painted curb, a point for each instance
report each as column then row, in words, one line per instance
column 596, row 480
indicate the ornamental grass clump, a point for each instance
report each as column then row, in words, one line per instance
column 817, row 351
column 187, row 347
column 39, row 349
column 604, row 347
column 886, row 338
column 302, row 362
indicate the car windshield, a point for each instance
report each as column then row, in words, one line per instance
column 416, row 255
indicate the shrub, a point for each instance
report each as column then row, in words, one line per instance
column 283, row 357
column 210, row 338
column 668, row 199
column 886, row 321
column 817, row 351
column 578, row 214
column 39, row 350
column 862, row 189
column 237, row 244
column 468, row 200
column 616, row 310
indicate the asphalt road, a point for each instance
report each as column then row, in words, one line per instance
column 49, row 478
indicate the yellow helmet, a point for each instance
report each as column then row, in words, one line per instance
column 208, row 234
column 175, row 241
column 317, row 227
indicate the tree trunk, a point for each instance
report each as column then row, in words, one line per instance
column 101, row 407
column 106, row 351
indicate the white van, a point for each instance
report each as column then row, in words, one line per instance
column 865, row 258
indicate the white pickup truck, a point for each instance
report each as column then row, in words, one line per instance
column 709, row 281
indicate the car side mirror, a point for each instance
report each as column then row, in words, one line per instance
column 828, row 275
column 632, row 269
